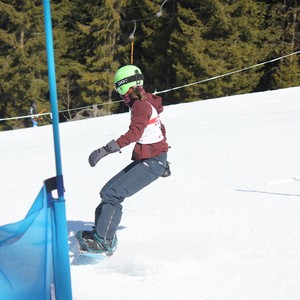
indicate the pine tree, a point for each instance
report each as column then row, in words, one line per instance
column 67, row 56
column 146, row 29
column 176, row 42
column 212, row 39
column 22, row 59
column 283, row 37
column 100, row 50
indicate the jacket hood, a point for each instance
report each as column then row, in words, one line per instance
column 155, row 101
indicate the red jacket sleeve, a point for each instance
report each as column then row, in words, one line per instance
column 140, row 116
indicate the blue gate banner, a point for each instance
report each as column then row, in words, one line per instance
column 28, row 249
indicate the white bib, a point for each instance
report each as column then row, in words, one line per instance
column 152, row 133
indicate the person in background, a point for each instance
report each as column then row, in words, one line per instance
column 33, row 112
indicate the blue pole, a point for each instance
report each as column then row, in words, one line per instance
column 62, row 276
column 52, row 84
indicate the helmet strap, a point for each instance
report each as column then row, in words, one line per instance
column 137, row 77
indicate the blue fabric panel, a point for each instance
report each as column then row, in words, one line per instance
column 26, row 262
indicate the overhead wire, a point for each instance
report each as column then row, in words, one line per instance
column 167, row 90
column 156, row 92
column 226, row 74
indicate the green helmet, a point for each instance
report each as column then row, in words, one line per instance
column 127, row 77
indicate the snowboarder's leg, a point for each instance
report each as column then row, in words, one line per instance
column 126, row 183
column 107, row 223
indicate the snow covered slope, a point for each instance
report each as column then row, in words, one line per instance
column 224, row 226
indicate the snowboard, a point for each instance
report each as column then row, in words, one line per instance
column 88, row 258
column 83, row 248
column 83, row 257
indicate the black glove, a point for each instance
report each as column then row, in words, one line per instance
column 98, row 154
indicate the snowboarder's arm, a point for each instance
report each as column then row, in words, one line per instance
column 141, row 113
column 98, row 154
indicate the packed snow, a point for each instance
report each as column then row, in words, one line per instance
column 224, row 226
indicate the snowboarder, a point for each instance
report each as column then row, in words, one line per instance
column 149, row 160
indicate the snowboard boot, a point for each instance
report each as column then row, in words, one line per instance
column 90, row 241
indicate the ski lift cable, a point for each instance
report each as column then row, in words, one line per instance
column 167, row 90
column 227, row 74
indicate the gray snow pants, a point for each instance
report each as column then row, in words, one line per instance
column 129, row 181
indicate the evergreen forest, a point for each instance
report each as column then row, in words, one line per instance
column 174, row 42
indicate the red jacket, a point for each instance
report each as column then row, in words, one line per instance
column 140, row 116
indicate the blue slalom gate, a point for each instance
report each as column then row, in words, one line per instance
column 34, row 254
